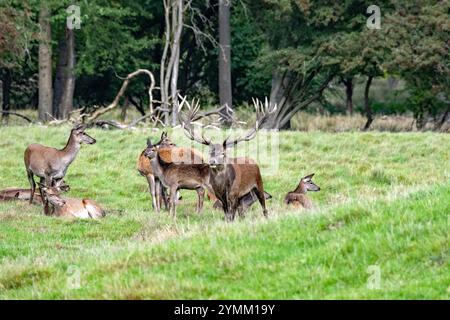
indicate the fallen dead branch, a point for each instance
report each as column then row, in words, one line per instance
column 17, row 115
column 97, row 113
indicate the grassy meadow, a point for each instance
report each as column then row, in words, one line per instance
column 382, row 217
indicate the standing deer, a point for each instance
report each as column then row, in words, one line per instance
column 177, row 155
column 51, row 164
column 70, row 207
column 175, row 176
column 144, row 167
column 231, row 178
column 298, row 197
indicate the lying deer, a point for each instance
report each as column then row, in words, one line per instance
column 70, row 207
column 11, row 194
column 51, row 164
column 175, row 176
column 298, row 197
column 231, row 178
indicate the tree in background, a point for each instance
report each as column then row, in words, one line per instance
column 420, row 55
column 45, row 107
column 225, row 85
column 16, row 34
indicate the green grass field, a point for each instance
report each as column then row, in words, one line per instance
column 382, row 214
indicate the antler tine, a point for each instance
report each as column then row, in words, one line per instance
column 193, row 109
column 263, row 111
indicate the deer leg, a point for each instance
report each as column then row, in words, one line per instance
column 32, row 183
column 44, row 199
column 157, row 198
column 201, row 197
column 259, row 191
column 232, row 205
column 164, row 198
column 173, row 199
column 151, row 186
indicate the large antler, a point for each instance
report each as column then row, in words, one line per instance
column 191, row 117
column 263, row 112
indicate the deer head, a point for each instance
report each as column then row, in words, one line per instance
column 52, row 195
column 306, row 184
column 152, row 149
column 218, row 151
column 80, row 136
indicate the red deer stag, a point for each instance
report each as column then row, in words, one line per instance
column 51, row 164
column 231, row 178
column 298, row 197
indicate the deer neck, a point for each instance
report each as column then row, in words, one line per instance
column 70, row 151
column 159, row 167
column 300, row 188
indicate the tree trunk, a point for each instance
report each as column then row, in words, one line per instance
column 367, row 106
column 45, row 65
column 69, row 77
column 443, row 119
column 173, row 13
column 6, row 90
column 123, row 114
column 225, row 85
column 349, row 95
column 177, row 23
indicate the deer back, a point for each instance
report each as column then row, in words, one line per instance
column 39, row 158
column 298, row 200
column 178, row 155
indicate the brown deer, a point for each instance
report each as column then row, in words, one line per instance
column 298, row 197
column 177, row 155
column 11, row 194
column 231, row 178
column 70, row 207
column 144, row 167
column 51, row 164
column 175, row 176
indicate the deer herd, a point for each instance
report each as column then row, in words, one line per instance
column 232, row 183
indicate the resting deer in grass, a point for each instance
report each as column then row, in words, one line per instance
column 70, row 207
column 298, row 197
column 231, row 178
column 11, row 194
column 51, row 164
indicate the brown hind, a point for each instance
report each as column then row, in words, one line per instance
column 298, row 197
column 51, row 164
column 60, row 206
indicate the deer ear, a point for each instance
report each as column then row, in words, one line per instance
column 163, row 135
column 308, row 177
column 149, row 142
